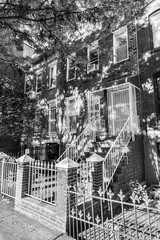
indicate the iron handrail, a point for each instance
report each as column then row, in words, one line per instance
column 69, row 152
column 112, row 155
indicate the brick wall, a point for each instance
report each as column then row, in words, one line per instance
column 134, row 170
column 44, row 213
column 50, row 215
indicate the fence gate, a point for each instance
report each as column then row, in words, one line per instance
column 8, row 179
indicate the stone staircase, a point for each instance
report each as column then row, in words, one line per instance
column 98, row 146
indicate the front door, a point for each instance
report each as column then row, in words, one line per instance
column 118, row 109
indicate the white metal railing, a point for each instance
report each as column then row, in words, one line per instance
column 8, row 178
column 42, row 184
column 76, row 148
column 116, row 152
column 84, row 179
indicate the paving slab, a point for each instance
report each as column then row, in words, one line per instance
column 16, row 226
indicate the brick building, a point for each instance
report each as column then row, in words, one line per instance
column 111, row 76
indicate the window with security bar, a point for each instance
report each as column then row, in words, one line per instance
column 53, row 75
column 155, row 27
column 120, row 45
column 71, row 67
column 52, row 118
column 93, row 57
column 39, row 83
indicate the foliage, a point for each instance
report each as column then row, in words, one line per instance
column 47, row 26
column 137, row 189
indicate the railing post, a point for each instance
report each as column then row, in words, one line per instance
column 22, row 179
column 66, row 176
column 96, row 162
column 3, row 156
column 131, row 112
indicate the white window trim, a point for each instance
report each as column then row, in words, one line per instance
column 54, row 63
column 153, row 15
column 93, row 46
column 37, row 73
column 73, row 55
column 117, row 32
column 54, row 104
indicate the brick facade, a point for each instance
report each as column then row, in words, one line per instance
column 131, row 167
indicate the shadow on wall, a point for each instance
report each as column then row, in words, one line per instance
column 151, row 161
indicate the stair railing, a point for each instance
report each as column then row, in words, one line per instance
column 76, row 148
column 116, row 152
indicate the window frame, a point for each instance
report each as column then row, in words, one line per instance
column 91, row 48
column 37, row 74
column 152, row 15
column 115, row 34
column 73, row 55
column 50, row 66
column 27, row 79
column 52, row 104
column 73, row 114
column 37, row 127
column 157, row 94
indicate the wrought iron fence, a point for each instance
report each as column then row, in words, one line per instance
column 84, row 179
column 42, row 183
column 112, row 218
column 8, row 177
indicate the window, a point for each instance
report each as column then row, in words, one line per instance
column 155, row 25
column 37, row 125
column 72, row 115
column 52, row 74
column 120, row 45
column 157, row 94
column 52, row 117
column 28, row 86
column 39, row 82
column 71, row 67
column 93, row 57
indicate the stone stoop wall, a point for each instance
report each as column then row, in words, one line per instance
column 134, row 170
column 44, row 213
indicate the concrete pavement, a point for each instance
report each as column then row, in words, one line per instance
column 15, row 226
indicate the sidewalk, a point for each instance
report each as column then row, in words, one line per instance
column 15, row 226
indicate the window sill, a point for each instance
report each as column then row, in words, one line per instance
column 124, row 60
column 52, row 133
column 153, row 50
column 50, row 88
column 68, row 80
column 96, row 70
